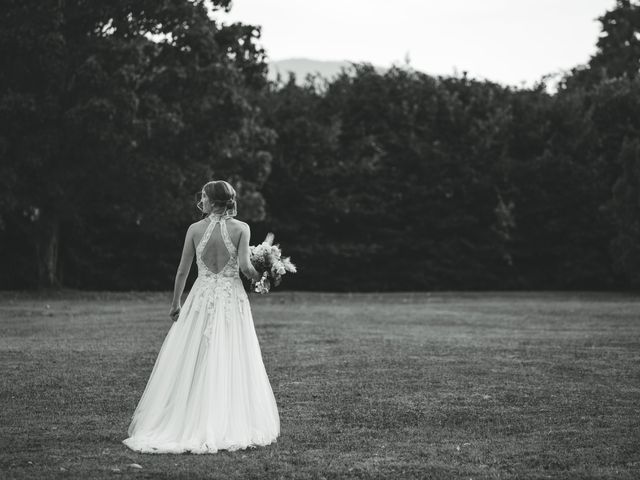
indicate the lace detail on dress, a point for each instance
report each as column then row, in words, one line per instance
column 208, row 390
column 231, row 268
column 219, row 285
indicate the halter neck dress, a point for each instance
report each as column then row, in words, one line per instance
column 208, row 389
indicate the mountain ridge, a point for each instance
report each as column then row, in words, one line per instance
column 302, row 66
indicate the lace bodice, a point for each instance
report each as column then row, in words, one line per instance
column 231, row 267
column 208, row 390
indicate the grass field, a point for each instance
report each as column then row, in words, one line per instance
column 368, row 386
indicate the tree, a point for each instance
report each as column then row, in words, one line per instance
column 618, row 48
column 110, row 113
column 618, row 53
column 393, row 175
column 625, row 212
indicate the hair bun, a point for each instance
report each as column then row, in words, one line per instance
column 219, row 193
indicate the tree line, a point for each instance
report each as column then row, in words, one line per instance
column 113, row 117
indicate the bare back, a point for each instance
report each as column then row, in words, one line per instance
column 215, row 254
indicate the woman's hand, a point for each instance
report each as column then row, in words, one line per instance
column 244, row 255
column 174, row 312
column 188, row 252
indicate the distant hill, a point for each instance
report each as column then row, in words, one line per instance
column 303, row 66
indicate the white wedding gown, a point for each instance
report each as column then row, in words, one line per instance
column 208, row 390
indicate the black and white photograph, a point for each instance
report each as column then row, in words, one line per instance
column 319, row 240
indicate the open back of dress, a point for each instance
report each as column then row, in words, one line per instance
column 208, row 389
column 215, row 254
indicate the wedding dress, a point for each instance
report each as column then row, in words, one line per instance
column 208, row 390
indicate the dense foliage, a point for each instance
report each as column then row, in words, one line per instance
column 113, row 117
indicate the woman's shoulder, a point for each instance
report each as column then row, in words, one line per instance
column 232, row 223
column 199, row 223
column 238, row 224
column 197, row 226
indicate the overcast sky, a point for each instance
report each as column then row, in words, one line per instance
column 508, row 41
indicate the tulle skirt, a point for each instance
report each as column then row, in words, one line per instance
column 208, row 390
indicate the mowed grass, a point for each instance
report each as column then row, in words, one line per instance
column 368, row 386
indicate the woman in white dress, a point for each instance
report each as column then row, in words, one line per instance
column 209, row 390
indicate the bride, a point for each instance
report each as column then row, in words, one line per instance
column 209, row 390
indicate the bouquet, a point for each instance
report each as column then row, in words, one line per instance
column 267, row 259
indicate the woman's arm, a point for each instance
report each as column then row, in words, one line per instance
column 183, row 272
column 244, row 261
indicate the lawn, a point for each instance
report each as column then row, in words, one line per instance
column 415, row 385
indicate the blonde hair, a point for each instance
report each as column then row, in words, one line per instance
column 220, row 192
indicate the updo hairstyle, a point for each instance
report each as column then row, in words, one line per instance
column 221, row 193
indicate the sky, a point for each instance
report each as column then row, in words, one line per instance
column 512, row 42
